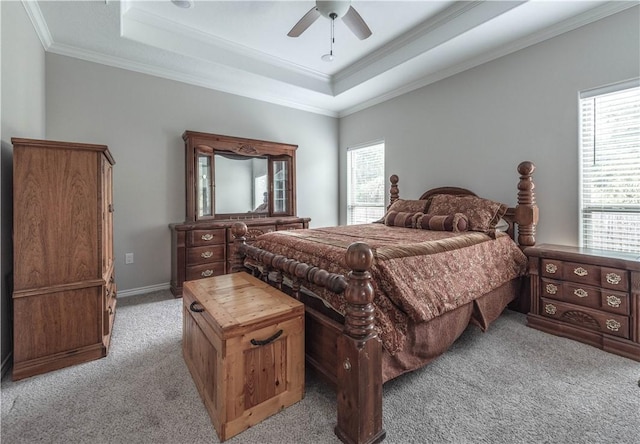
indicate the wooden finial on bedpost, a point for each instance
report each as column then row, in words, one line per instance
column 239, row 231
column 526, row 210
column 359, row 375
column 393, row 191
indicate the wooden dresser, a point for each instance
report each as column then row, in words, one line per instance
column 204, row 249
column 64, row 295
column 591, row 296
column 230, row 179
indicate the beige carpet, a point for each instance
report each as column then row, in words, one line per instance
column 509, row 385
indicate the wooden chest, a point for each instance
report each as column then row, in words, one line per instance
column 243, row 342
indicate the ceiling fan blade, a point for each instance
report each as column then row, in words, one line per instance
column 306, row 21
column 355, row 23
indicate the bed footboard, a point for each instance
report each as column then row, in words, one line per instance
column 359, row 351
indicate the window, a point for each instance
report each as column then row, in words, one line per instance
column 610, row 167
column 365, row 184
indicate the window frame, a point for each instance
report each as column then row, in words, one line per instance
column 349, row 205
column 583, row 209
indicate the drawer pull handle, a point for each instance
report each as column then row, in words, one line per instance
column 551, row 268
column 550, row 309
column 613, row 301
column 195, row 309
column 268, row 340
column 580, row 293
column 580, row 271
column 207, row 237
column 613, row 278
column 551, row 289
column 613, row 325
column 207, row 254
column 207, row 273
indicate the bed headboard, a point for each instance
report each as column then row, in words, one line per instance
column 524, row 215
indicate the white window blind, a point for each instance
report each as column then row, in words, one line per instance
column 610, row 168
column 365, row 184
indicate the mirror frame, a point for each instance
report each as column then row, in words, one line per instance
column 196, row 142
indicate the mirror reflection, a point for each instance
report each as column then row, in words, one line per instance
column 241, row 184
column 204, row 186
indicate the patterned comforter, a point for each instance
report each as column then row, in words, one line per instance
column 418, row 274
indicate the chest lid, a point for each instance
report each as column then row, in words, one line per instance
column 237, row 302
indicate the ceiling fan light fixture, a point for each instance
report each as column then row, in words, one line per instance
column 328, row 57
column 327, row 8
column 185, row 4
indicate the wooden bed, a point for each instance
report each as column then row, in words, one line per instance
column 344, row 347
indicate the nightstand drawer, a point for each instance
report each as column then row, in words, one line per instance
column 195, row 272
column 207, row 237
column 581, row 273
column 615, row 302
column 204, row 255
column 609, row 323
column 614, row 279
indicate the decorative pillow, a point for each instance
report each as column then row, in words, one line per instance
column 406, row 206
column 400, row 219
column 454, row 222
column 482, row 214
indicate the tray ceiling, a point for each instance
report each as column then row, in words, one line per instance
column 242, row 47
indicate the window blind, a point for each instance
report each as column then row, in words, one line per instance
column 610, row 168
column 365, row 184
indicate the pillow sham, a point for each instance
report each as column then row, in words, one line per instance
column 482, row 214
column 400, row 219
column 454, row 222
column 409, row 206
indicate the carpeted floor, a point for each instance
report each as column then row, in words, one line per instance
column 511, row 384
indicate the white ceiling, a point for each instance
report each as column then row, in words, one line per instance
column 241, row 46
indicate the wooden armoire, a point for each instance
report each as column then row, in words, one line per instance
column 64, row 294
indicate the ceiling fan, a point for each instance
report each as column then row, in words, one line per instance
column 333, row 10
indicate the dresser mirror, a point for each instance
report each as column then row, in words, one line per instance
column 241, row 184
column 235, row 178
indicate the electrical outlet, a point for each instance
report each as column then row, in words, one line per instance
column 128, row 258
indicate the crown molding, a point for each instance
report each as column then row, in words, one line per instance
column 39, row 24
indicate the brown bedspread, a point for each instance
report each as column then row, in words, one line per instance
column 418, row 274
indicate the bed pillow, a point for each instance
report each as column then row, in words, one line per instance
column 400, row 219
column 406, row 206
column 453, row 222
column 409, row 206
column 482, row 214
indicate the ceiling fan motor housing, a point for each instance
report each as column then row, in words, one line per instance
column 327, row 8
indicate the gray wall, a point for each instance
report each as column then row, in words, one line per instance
column 141, row 118
column 473, row 129
column 22, row 115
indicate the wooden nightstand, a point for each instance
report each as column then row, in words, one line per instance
column 591, row 296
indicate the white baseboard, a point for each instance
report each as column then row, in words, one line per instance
column 143, row 290
column 6, row 364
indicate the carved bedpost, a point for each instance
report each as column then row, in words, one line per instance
column 239, row 231
column 526, row 210
column 359, row 375
column 393, row 191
